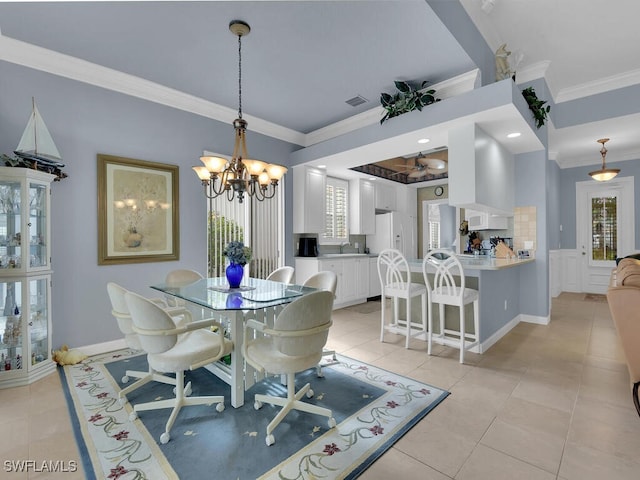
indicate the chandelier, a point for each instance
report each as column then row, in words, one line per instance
column 240, row 175
column 604, row 173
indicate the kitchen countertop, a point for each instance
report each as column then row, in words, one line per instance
column 326, row 256
column 479, row 263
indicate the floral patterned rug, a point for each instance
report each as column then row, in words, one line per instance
column 373, row 409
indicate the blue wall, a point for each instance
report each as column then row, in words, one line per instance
column 84, row 121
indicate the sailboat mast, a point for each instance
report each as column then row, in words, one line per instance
column 35, row 125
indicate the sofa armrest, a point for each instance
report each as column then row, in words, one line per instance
column 624, row 304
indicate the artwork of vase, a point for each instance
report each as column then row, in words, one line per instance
column 234, row 273
column 132, row 238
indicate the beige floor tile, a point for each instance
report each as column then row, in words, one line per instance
column 488, row 464
column 542, row 450
column 462, row 417
column 436, row 446
column 548, row 389
column 395, row 464
column 583, row 463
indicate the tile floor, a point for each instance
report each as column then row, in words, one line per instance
column 545, row 402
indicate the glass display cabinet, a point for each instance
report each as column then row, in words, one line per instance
column 25, row 276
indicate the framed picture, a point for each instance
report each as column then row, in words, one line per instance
column 137, row 211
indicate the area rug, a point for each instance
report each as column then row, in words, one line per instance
column 373, row 408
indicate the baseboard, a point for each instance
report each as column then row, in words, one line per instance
column 488, row 343
column 98, row 348
column 535, row 319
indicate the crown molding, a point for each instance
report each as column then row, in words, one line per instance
column 448, row 88
column 602, row 85
column 38, row 58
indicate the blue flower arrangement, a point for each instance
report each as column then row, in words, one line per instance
column 236, row 252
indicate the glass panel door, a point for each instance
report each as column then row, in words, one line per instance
column 38, row 319
column 38, row 249
column 10, row 225
column 604, row 228
column 11, row 352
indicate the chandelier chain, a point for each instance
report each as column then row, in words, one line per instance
column 239, row 76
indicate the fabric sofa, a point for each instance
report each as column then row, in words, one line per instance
column 623, row 296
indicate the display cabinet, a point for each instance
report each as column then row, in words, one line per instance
column 25, row 276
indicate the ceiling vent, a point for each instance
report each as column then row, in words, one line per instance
column 357, row 100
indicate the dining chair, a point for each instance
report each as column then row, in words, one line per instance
column 293, row 344
column 174, row 349
column 395, row 282
column 282, row 274
column 179, row 278
column 120, row 311
column 324, row 280
column 445, row 290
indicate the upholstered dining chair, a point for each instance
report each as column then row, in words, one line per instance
column 120, row 311
column 445, row 290
column 179, row 278
column 395, row 282
column 175, row 349
column 292, row 345
column 324, row 280
column 282, row 274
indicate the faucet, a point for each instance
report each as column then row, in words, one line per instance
column 342, row 245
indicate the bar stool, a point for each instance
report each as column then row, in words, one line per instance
column 445, row 291
column 395, row 280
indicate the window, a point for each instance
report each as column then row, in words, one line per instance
column 336, row 208
column 604, row 227
column 434, row 226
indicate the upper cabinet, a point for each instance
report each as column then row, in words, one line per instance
column 485, row 221
column 362, row 213
column 309, row 191
column 385, row 198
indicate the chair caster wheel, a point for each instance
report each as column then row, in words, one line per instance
column 122, row 400
column 332, row 422
column 125, row 379
column 270, row 440
column 257, row 405
column 220, row 407
column 133, row 416
column 164, row 438
column 310, row 393
column 187, row 390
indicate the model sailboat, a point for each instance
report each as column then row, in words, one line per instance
column 36, row 144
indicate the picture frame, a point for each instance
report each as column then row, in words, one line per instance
column 138, row 214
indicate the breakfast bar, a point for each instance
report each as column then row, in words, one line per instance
column 497, row 280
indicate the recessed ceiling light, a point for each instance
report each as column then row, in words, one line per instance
column 372, row 178
column 322, row 166
column 424, row 140
column 514, row 135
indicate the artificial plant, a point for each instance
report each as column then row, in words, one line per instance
column 536, row 106
column 406, row 99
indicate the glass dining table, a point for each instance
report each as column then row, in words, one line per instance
column 257, row 299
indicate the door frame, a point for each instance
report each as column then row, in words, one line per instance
column 594, row 279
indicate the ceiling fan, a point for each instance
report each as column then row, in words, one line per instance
column 422, row 166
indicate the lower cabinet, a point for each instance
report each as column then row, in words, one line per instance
column 352, row 274
column 375, row 289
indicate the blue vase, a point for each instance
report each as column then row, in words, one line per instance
column 234, row 273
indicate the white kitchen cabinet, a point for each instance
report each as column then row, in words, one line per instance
column 352, row 273
column 309, row 191
column 385, row 197
column 362, row 210
column 484, row 221
column 25, row 276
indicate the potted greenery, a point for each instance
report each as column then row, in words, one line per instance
column 406, row 99
column 536, row 106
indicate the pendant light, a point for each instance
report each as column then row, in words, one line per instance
column 604, row 173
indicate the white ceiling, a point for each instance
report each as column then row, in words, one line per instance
column 304, row 59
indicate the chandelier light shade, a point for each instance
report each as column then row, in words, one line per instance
column 240, row 175
column 604, row 173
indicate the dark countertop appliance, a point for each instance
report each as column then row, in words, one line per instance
column 308, row 247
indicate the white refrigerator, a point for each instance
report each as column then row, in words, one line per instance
column 395, row 230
